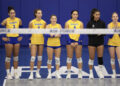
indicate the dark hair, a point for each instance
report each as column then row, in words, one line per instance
column 94, row 10
column 53, row 15
column 74, row 11
column 10, row 8
column 36, row 10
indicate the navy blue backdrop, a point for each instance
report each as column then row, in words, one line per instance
column 61, row 8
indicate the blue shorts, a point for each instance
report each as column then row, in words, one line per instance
column 72, row 41
column 112, row 46
column 54, row 47
column 12, row 40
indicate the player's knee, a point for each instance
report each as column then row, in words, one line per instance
column 91, row 62
column 57, row 60
column 7, row 59
column 112, row 61
column 79, row 60
column 33, row 59
column 49, row 62
column 39, row 58
column 15, row 58
column 69, row 60
column 119, row 61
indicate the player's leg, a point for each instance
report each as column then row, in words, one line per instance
column 91, row 50
column 100, row 50
column 57, row 61
column 78, row 51
column 9, row 50
column 112, row 55
column 49, row 62
column 33, row 56
column 69, row 59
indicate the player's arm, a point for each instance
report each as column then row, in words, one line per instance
column 30, row 27
column 81, row 36
column 20, row 21
column 49, row 35
column 4, row 22
column 67, row 36
column 110, row 35
column 4, row 38
column 58, row 35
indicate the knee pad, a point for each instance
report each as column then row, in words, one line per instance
column 112, row 61
column 33, row 59
column 79, row 60
column 119, row 61
column 15, row 58
column 39, row 58
column 69, row 60
column 91, row 62
column 49, row 62
column 57, row 61
column 7, row 59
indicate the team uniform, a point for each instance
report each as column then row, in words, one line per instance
column 95, row 40
column 54, row 42
column 71, row 38
column 12, row 24
column 37, row 38
column 114, row 41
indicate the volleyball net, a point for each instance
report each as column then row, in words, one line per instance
column 60, row 31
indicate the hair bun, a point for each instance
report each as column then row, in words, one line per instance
column 10, row 8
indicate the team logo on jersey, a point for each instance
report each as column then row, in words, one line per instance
column 38, row 24
column 12, row 22
column 73, row 24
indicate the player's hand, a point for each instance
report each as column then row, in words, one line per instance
column 51, row 35
column 19, row 38
column 57, row 35
column 99, row 35
column 5, row 39
column 76, row 44
column 72, row 44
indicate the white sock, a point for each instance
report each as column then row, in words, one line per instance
column 69, row 70
column 80, row 70
column 31, row 72
column 8, row 71
column 114, row 71
column 91, row 71
column 57, row 71
column 38, row 70
column 49, row 71
column 100, row 66
column 15, row 70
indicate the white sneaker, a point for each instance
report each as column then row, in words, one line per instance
column 49, row 76
column 80, row 75
column 9, row 76
column 30, row 77
column 91, row 76
column 37, row 75
column 101, row 75
column 58, row 75
column 16, row 76
column 113, row 76
column 68, row 76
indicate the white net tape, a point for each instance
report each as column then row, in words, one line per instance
column 60, row 31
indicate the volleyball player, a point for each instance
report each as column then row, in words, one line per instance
column 12, row 42
column 74, row 42
column 37, row 42
column 114, row 42
column 95, row 42
column 53, row 46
